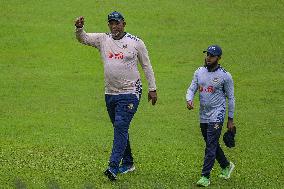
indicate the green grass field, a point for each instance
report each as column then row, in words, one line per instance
column 54, row 128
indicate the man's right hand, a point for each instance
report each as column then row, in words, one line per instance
column 190, row 105
column 152, row 95
column 79, row 22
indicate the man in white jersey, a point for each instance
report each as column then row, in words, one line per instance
column 120, row 52
column 215, row 85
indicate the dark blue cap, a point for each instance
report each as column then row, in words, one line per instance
column 214, row 49
column 115, row 16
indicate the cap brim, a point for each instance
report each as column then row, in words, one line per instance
column 115, row 19
column 211, row 53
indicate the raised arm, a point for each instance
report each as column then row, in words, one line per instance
column 91, row 39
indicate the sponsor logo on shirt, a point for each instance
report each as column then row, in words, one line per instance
column 115, row 55
column 209, row 89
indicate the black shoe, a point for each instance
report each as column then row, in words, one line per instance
column 111, row 173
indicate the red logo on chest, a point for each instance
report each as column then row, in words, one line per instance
column 115, row 56
column 209, row 89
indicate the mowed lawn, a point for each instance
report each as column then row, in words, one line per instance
column 54, row 127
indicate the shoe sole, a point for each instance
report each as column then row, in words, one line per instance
column 128, row 170
column 201, row 185
column 111, row 176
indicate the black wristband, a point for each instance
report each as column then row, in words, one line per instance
column 79, row 27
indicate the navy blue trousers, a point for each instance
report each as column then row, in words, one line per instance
column 121, row 109
column 211, row 133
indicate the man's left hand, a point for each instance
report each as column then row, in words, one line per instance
column 230, row 125
column 152, row 95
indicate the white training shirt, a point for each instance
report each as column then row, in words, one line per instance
column 120, row 58
column 214, row 87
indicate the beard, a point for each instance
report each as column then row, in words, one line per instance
column 210, row 66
